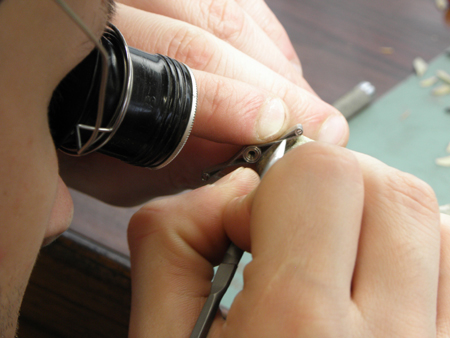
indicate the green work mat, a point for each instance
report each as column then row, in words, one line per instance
column 408, row 128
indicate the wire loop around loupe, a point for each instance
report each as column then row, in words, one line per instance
column 101, row 135
column 120, row 101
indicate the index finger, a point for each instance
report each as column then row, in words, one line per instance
column 203, row 51
column 249, row 26
column 269, row 23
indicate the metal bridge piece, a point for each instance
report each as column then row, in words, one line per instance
column 251, row 154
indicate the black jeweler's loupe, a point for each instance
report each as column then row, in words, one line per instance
column 148, row 112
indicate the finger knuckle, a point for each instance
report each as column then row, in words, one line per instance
column 251, row 105
column 249, row 111
column 223, row 96
column 326, row 159
column 315, row 310
column 227, row 98
column 272, row 27
column 225, row 20
column 145, row 222
column 411, row 192
column 188, row 46
column 307, row 108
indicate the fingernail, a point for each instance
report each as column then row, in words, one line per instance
column 271, row 119
column 333, row 129
column 228, row 178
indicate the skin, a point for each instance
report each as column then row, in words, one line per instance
column 35, row 204
column 233, row 88
column 43, row 46
column 366, row 205
column 249, row 26
column 344, row 247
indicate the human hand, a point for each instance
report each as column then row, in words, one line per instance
column 343, row 246
column 241, row 99
column 248, row 25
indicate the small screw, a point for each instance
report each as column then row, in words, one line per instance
column 252, row 154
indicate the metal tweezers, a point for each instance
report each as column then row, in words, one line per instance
column 264, row 156
column 220, row 284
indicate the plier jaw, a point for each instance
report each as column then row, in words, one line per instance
column 252, row 154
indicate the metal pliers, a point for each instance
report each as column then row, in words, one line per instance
column 253, row 154
column 264, row 156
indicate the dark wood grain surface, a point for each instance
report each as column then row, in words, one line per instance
column 340, row 43
column 83, row 282
column 78, row 289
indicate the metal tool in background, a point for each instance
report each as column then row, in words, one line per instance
column 349, row 104
column 264, row 156
column 356, row 99
column 135, row 106
column 140, row 108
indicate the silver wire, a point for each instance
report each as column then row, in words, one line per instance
column 104, row 78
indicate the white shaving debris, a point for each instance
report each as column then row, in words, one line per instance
column 443, row 76
column 441, row 90
column 428, row 82
column 301, row 140
column 420, row 66
column 442, row 5
column 445, row 209
column 443, row 161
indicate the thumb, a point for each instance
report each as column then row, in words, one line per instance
column 236, row 220
column 174, row 243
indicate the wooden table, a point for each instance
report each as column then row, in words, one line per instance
column 81, row 284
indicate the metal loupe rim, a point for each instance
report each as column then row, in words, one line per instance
column 189, row 125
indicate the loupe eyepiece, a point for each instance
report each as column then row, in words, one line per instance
column 149, row 108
